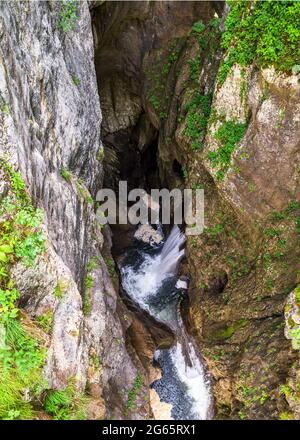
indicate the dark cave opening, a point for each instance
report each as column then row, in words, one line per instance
column 126, row 158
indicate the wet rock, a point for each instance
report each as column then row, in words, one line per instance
column 149, row 235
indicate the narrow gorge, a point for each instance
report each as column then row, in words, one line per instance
column 143, row 321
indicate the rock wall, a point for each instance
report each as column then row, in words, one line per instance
column 249, row 252
column 237, row 139
column 50, row 131
column 246, row 262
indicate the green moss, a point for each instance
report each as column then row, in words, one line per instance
column 286, row 416
column 214, row 231
column 75, row 81
column 228, row 136
column 89, row 284
column 244, row 87
column 269, row 283
column 229, row 331
column 5, row 109
column 294, row 333
column 95, row 361
column 89, row 281
column 266, row 32
column 286, row 390
column 93, row 264
column 100, row 154
column 83, row 192
column 194, row 68
column 158, row 75
column 292, row 211
column 110, row 266
column 250, row 395
column 87, row 306
column 198, row 29
column 242, row 415
column 219, row 355
column 66, row 174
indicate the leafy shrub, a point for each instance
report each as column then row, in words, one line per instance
column 68, row 15
column 198, row 27
column 266, row 32
column 228, row 135
column 198, row 112
column 7, row 304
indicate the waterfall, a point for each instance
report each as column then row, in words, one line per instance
column 171, row 253
column 149, row 278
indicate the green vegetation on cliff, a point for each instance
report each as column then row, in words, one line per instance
column 68, row 15
column 198, row 112
column 158, row 73
column 133, row 392
column 265, row 32
column 199, row 106
column 21, row 354
column 228, row 135
column 67, row 404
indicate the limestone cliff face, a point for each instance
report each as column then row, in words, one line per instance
column 238, row 139
column 50, row 131
column 249, row 252
column 245, row 263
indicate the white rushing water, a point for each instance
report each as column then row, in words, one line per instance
column 193, row 377
column 149, row 278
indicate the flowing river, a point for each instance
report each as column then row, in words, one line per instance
column 149, row 276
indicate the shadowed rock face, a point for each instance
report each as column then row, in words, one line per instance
column 128, row 37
